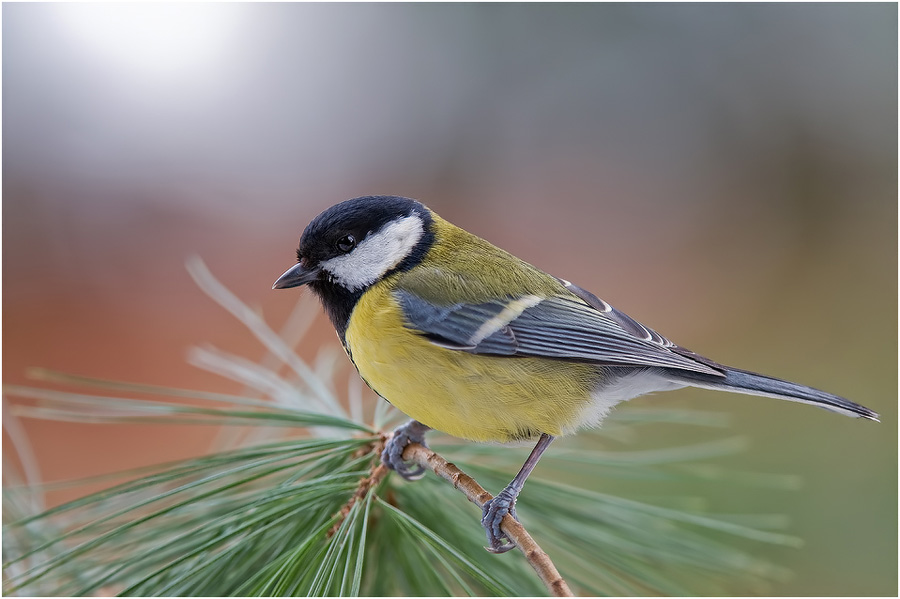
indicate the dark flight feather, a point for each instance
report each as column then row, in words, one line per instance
column 556, row 327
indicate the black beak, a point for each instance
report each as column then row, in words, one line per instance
column 297, row 275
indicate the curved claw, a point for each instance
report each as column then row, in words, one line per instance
column 392, row 456
column 493, row 513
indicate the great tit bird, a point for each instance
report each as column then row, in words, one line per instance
column 467, row 339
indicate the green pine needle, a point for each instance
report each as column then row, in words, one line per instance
column 280, row 508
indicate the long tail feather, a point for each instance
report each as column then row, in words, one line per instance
column 742, row 381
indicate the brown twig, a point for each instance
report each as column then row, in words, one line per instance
column 536, row 556
column 420, row 454
column 376, row 474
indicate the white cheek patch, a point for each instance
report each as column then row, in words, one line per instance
column 376, row 254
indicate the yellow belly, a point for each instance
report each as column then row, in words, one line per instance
column 481, row 398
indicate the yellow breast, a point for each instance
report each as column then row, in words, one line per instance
column 476, row 397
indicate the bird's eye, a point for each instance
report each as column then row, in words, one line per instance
column 346, row 243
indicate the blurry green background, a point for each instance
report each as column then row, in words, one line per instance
column 726, row 174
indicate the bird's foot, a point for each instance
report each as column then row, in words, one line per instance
column 493, row 513
column 392, row 456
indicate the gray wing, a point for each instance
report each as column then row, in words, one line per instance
column 582, row 328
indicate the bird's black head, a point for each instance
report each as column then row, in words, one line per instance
column 354, row 244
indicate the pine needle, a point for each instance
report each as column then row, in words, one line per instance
column 283, row 511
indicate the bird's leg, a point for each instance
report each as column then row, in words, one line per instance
column 505, row 502
column 392, row 456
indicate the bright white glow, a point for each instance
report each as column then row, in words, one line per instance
column 152, row 38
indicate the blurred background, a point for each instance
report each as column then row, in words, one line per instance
column 726, row 174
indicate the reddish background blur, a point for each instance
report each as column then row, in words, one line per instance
column 724, row 173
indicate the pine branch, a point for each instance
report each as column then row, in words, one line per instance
column 475, row 493
column 376, row 475
column 255, row 519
